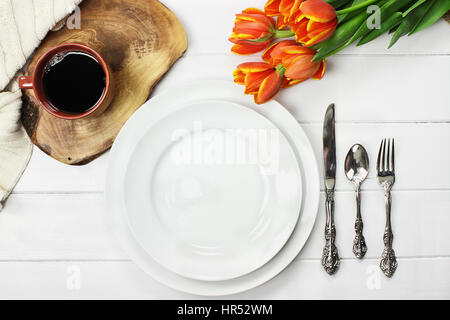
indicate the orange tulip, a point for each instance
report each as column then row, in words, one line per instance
column 287, row 63
column 261, row 80
column 312, row 21
column 254, row 31
column 315, row 22
column 281, row 7
column 296, row 61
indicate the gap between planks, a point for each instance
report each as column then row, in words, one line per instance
column 358, row 55
column 297, row 259
column 322, row 190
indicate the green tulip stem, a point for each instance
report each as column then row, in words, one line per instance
column 357, row 7
column 280, row 69
column 283, row 34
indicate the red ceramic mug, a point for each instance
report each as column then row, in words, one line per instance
column 35, row 82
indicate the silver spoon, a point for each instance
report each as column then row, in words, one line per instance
column 356, row 169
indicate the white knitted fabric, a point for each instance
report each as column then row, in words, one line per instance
column 23, row 25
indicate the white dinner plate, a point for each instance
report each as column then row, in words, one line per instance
column 161, row 106
column 212, row 190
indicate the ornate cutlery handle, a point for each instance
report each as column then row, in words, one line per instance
column 330, row 256
column 388, row 263
column 359, row 243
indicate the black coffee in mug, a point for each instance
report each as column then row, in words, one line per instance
column 74, row 82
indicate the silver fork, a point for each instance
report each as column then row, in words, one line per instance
column 386, row 177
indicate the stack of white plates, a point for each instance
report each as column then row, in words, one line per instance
column 209, row 193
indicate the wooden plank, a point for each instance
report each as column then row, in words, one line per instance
column 415, row 279
column 421, row 161
column 417, row 147
column 49, row 227
column 45, row 174
column 364, row 88
column 200, row 19
column 417, row 217
column 74, row 226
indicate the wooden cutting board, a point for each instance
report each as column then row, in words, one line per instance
column 140, row 40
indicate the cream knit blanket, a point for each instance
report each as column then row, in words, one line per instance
column 23, row 25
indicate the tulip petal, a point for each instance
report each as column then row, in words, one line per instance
column 241, row 36
column 239, row 76
column 313, row 25
column 272, row 7
column 294, row 11
column 309, row 32
column 253, row 11
column 318, row 10
column 281, row 24
column 247, row 49
column 320, row 34
column 253, row 28
column 300, row 30
column 297, row 49
column 247, row 67
column 321, row 72
column 302, row 68
column 315, row 28
column 272, row 54
column 253, row 80
column 287, row 83
column 319, row 38
column 286, row 7
column 269, row 88
column 261, row 19
column 287, row 60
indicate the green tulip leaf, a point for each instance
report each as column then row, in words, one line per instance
column 355, row 7
column 391, row 22
column 436, row 11
column 347, row 16
column 415, row 5
column 399, row 17
column 410, row 21
column 337, row 4
column 340, row 36
column 394, row 29
column 386, row 11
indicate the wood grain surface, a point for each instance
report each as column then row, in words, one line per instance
column 140, row 40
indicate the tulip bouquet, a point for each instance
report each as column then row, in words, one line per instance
column 320, row 28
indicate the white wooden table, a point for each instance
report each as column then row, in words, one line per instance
column 54, row 242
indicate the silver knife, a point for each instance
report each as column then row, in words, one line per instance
column 330, row 256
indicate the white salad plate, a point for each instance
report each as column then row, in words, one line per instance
column 167, row 189
column 212, row 190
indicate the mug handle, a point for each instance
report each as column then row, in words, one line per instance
column 25, row 82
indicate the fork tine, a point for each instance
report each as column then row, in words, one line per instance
column 383, row 157
column 379, row 157
column 393, row 157
column 388, row 155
